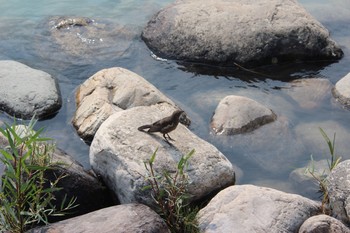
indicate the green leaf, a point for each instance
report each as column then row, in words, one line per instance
column 153, row 157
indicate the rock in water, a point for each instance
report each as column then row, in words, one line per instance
column 25, row 91
column 238, row 31
column 238, row 114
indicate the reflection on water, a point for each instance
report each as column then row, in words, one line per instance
column 266, row 156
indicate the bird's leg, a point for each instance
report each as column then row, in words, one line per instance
column 165, row 137
column 170, row 137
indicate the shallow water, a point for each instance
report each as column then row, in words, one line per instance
column 265, row 156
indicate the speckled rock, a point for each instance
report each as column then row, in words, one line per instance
column 339, row 191
column 241, row 31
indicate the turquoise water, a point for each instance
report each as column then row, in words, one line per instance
column 266, row 156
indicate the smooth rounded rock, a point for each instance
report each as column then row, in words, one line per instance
column 238, row 114
column 25, row 91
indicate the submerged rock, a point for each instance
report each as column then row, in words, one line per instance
column 341, row 91
column 304, row 182
column 248, row 208
column 310, row 136
column 25, row 91
column 238, row 31
column 82, row 40
column 116, row 219
column 238, row 114
column 119, row 150
column 309, row 93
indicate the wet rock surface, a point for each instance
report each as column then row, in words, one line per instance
column 82, row 40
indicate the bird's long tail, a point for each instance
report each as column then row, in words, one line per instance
column 141, row 128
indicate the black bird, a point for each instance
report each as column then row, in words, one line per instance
column 165, row 125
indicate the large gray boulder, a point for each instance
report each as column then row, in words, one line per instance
column 134, row 218
column 339, row 191
column 238, row 31
column 341, row 91
column 323, row 224
column 119, row 150
column 25, row 91
column 238, row 114
column 109, row 91
column 248, row 208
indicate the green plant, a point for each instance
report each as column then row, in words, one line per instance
column 321, row 178
column 169, row 191
column 25, row 193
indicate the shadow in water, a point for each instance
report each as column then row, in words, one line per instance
column 282, row 71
